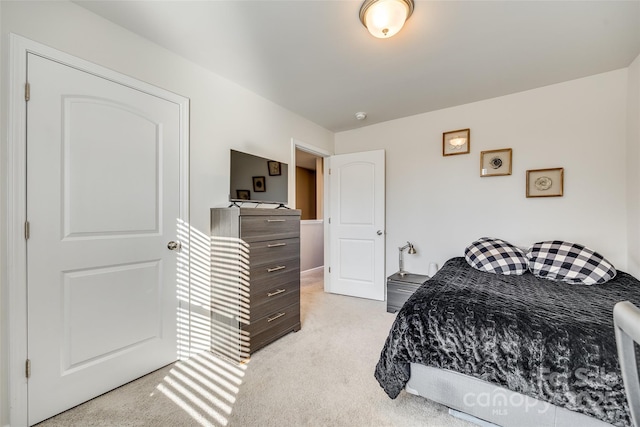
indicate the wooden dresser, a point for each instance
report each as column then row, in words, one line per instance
column 255, row 264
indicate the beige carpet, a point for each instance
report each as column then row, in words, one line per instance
column 319, row 376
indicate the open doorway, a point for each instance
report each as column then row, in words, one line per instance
column 309, row 184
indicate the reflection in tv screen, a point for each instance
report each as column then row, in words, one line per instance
column 257, row 179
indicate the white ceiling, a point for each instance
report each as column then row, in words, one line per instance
column 315, row 58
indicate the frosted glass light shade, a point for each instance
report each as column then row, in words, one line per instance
column 385, row 18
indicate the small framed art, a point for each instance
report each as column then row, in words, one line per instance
column 274, row 168
column 456, row 142
column 243, row 194
column 545, row 182
column 259, row 185
column 495, row 162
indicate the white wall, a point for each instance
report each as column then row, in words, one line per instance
column 441, row 204
column 311, row 244
column 633, row 167
column 223, row 114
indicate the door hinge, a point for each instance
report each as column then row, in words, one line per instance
column 27, row 231
column 27, row 368
column 27, row 91
column 329, row 269
column 329, row 171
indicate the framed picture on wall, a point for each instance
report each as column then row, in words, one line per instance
column 545, row 182
column 243, row 194
column 259, row 184
column 495, row 162
column 274, row 168
column 456, row 142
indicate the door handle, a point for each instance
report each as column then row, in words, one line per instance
column 379, row 232
column 174, row 246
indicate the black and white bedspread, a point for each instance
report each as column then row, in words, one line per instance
column 549, row 340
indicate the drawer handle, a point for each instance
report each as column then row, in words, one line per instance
column 276, row 245
column 277, row 316
column 279, row 291
column 275, row 220
column 404, row 291
column 280, row 267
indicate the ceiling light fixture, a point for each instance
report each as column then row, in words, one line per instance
column 384, row 18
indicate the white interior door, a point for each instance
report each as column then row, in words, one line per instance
column 102, row 203
column 357, row 222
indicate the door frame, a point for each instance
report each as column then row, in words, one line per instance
column 317, row 151
column 15, row 249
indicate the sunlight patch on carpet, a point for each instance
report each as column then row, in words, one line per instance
column 205, row 387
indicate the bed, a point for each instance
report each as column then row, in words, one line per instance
column 513, row 350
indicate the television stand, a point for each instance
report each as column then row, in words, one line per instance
column 282, row 206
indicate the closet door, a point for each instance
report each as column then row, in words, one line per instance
column 103, row 199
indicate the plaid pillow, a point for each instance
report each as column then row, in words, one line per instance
column 496, row 256
column 569, row 262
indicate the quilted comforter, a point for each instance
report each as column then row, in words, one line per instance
column 549, row 340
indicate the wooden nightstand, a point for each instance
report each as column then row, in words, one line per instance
column 400, row 288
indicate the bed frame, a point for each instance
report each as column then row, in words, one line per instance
column 626, row 319
column 489, row 402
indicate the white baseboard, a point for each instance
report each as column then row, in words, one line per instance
column 313, row 270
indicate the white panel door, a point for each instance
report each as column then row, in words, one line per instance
column 102, row 203
column 356, row 230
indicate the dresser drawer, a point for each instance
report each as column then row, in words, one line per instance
column 268, row 275
column 257, row 341
column 396, row 299
column 261, row 228
column 273, row 320
column 402, row 288
column 399, row 292
column 271, row 251
column 266, row 302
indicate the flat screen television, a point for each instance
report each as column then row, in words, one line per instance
column 257, row 179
